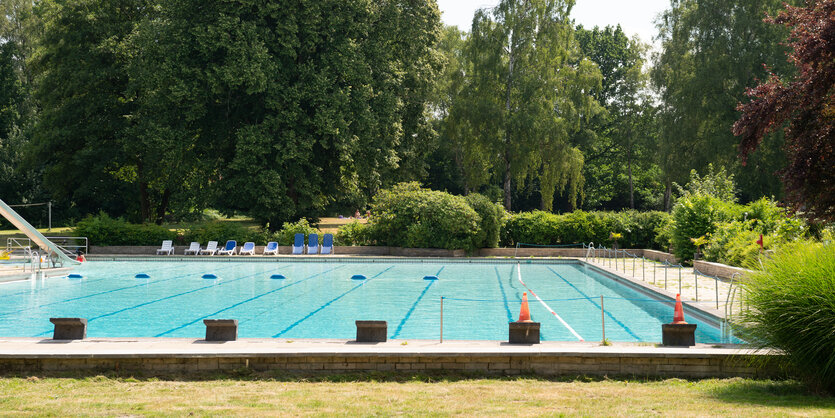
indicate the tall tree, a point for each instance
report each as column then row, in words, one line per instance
column 527, row 95
column 620, row 148
column 803, row 105
column 712, row 50
column 287, row 107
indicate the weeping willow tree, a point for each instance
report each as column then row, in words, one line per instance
column 526, row 94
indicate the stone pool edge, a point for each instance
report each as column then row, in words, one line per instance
column 161, row 356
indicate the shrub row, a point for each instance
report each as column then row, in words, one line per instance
column 637, row 229
column 104, row 230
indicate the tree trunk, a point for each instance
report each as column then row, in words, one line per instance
column 631, row 185
column 507, row 181
column 668, row 190
column 144, row 200
column 163, row 206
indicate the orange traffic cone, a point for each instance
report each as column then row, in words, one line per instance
column 524, row 313
column 678, row 315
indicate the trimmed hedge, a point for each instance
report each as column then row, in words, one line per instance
column 638, row 229
column 104, row 230
column 288, row 231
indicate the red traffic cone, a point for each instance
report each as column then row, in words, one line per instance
column 678, row 315
column 524, row 312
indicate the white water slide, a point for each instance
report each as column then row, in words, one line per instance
column 53, row 251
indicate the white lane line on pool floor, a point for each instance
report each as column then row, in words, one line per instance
column 519, row 276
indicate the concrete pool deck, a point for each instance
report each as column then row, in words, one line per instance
column 174, row 355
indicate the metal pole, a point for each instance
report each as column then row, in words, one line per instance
column 602, row 319
column 49, row 206
column 665, row 276
column 716, row 282
column 643, row 269
column 442, row 319
column 697, row 284
column 654, row 267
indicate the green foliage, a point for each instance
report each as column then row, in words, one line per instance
column 223, row 231
column 520, row 63
column 288, row 231
column 492, row 217
column 104, row 230
column 719, row 184
column 792, row 309
column 409, row 216
column 353, row 233
column 711, row 52
column 636, row 229
column 734, row 242
column 693, row 216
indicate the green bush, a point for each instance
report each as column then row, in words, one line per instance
column 638, row 229
column 353, row 233
column 288, row 231
column 694, row 216
column 104, row 230
column 410, row 216
column 492, row 216
column 223, row 231
column 792, row 308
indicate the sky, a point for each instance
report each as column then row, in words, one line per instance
column 634, row 16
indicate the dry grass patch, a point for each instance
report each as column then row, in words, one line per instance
column 419, row 396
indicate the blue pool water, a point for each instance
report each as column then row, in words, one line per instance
column 320, row 300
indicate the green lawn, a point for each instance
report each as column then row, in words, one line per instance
column 388, row 395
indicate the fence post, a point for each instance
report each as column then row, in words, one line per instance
column 654, row 267
column 643, row 269
column 697, row 284
column 716, row 283
column 442, row 319
column 602, row 320
column 665, row 275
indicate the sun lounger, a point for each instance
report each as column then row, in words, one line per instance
column 194, row 248
column 313, row 244
column 248, row 248
column 211, row 248
column 167, row 247
column 298, row 244
column 230, row 248
column 271, row 248
column 327, row 244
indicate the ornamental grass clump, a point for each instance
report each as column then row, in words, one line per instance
column 792, row 308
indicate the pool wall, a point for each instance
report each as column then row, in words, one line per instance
column 180, row 356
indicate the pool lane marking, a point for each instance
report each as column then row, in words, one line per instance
column 293, row 325
column 246, row 301
column 145, row 283
column 163, row 299
column 608, row 313
column 504, row 296
column 519, row 276
column 73, row 283
column 414, row 305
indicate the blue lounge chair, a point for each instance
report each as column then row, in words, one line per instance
column 248, row 248
column 327, row 244
column 298, row 244
column 271, row 248
column 230, row 248
column 313, row 244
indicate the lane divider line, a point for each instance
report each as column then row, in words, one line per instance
column 519, row 276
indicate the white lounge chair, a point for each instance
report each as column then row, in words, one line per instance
column 230, row 248
column 248, row 248
column 271, row 248
column 194, row 248
column 211, row 248
column 167, row 247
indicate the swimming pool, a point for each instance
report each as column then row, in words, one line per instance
column 320, row 300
